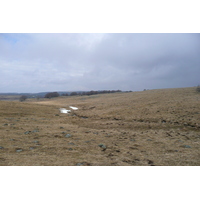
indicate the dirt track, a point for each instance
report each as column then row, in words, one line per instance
column 154, row 127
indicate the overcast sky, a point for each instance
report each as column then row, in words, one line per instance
column 68, row 62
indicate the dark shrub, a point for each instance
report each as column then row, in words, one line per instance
column 198, row 88
column 23, row 98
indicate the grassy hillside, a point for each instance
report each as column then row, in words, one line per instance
column 154, row 127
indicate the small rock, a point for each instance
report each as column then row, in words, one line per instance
column 102, row 146
column 180, row 141
column 19, row 150
column 87, row 141
column 83, row 164
column 150, row 162
column 96, row 133
column 35, row 141
column 31, row 148
column 5, row 124
column 70, row 149
column 1, row 147
column 116, row 118
column 64, row 132
column 79, row 164
column 71, row 143
column 149, row 140
column 27, row 132
column 57, row 115
column 61, row 128
column 132, row 140
column 35, row 131
column 187, row 146
column 68, row 135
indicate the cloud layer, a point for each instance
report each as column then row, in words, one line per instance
column 66, row 62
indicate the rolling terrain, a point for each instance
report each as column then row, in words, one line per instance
column 148, row 128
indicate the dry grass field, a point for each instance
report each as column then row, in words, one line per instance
column 148, row 128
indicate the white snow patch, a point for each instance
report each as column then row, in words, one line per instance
column 63, row 110
column 73, row 108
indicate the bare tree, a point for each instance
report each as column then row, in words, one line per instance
column 23, row 98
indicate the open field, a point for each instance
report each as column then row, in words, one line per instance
column 154, row 127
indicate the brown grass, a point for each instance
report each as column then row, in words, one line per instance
column 140, row 128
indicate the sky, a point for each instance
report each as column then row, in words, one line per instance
column 40, row 62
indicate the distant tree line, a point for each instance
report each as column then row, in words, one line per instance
column 51, row 95
column 56, row 94
column 92, row 92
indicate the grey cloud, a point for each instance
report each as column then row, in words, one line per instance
column 98, row 61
